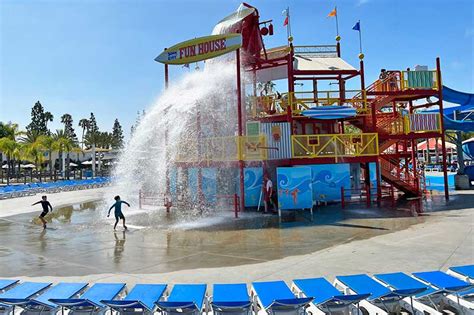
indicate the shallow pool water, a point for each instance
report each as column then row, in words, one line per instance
column 80, row 240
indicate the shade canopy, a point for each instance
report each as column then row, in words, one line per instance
column 432, row 145
column 27, row 166
column 304, row 63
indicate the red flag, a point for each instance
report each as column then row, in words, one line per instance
column 286, row 21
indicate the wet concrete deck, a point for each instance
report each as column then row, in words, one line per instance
column 80, row 241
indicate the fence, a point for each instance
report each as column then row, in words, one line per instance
column 361, row 195
column 154, row 200
column 405, row 80
column 227, row 149
column 230, row 200
column 335, row 145
column 273, row 104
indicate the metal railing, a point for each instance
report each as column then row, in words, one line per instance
column 421, row 79
column 227, row 149
column 273, row 104
column 405, row 80
column 397, row 173
column 316, row 50
column 335, row 145
column 398, row 124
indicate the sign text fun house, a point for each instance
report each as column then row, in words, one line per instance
column 201, row 48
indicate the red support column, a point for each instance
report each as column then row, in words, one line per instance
column 200, row 195
column 240, row 132
column 236, row 206
column 140, row 199
column 168, row 190
column 368, row 195
column 443, row 140
column 378, row 183
column 414, row 154
column 291, row 88
column 343, row 204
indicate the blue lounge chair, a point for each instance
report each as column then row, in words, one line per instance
column 465, row 273
column 16, row 295
column 140, row 300
column 41, row 303
column 381, row 296
column 184, row 298
column 5, row 284
column 90, row 301
column 453, row 288
column 231, row 299
column 327, row 298
column 443, row 281
column 422, row 295
column 275, row 297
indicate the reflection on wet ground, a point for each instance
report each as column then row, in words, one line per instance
column 80, row 240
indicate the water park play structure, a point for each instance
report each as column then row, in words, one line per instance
column 318, row 145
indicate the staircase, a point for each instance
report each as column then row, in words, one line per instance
column 387, row 125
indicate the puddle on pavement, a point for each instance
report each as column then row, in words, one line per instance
column 80, row 240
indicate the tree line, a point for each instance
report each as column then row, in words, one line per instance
column 38, row 141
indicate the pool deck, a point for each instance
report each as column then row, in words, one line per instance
column 436, row 240
column 14, row 206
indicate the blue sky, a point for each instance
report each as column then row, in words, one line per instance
column 97, row 55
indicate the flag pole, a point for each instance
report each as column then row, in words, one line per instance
column 288, row 27
column 360, row 38
column 337, row 23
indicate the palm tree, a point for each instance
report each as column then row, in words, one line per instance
column 266, row 87
column 63, row 143
column 92, row 140
column 8, row 147
column 48, row 117
column 84, row 124
column 9, row 130
column 49, row 145
column 33, row 147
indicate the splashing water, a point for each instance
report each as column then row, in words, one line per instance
column 202, row 105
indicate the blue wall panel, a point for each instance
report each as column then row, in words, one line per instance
column 294, row 188
column 327, row 180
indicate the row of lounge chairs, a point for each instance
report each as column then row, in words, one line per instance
column 421, row 293
column 12, row 191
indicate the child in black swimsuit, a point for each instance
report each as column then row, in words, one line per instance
column 46, row 208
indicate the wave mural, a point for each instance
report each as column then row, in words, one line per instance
column 294, row 188
column 327, row 180
column 253, row 179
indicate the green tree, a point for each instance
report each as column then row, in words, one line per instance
column 33, row 147
column 84, row 124
column 93, row 128
column 8, row 147
column 9, row 130
column 92, row 139
column 63, row 144
column 49, row 145
column 117, row 135
column 137, row 121
column 39, row 119
column 66, row 119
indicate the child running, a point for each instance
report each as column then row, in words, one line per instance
column 118, row 211
column 46, row 206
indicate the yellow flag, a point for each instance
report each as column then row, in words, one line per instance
column 332, row 13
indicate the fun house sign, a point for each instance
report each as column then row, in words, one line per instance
column 201, row 48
